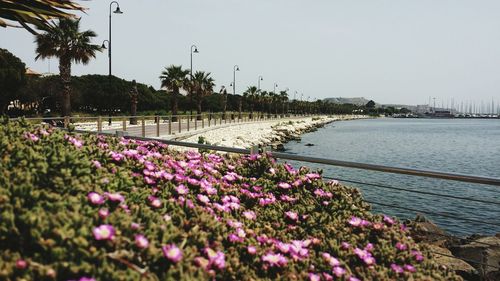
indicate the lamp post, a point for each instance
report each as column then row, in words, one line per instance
column 195, row 51
column 235, row 68
column 117, row 11
column 260, row 79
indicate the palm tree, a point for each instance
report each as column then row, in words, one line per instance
column 284, row 100
column 35, row 12
column 250, row 95
column 203, row 85
column 175, row 78
column 66, row 42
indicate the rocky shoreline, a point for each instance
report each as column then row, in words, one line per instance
column 262, row 134
column 459, row 254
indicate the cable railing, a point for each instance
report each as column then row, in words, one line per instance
column 492, row 181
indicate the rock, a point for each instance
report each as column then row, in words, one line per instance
column 280, row 147
column 485, row 250
column 309, row 144
column 445, row 258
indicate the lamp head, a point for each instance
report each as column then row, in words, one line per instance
column 195, row 50
column 118, row 11
column 237, row 68
column 103, row 46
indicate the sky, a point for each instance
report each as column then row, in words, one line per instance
column 391, row 51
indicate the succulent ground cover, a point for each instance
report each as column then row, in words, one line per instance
column 86, row 207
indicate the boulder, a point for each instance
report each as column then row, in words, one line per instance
column 485, row 250
column 445, row 258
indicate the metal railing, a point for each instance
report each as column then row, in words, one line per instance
column 159, row 125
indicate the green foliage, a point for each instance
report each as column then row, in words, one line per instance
column 47, row 220
column 12, row 77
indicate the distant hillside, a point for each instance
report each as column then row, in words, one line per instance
column 356, row 101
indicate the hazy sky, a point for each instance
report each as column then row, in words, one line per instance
column 397, row 51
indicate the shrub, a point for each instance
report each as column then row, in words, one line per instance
column 75, row 206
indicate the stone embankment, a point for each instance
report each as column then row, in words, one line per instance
column 458, row 253
column 267, row 133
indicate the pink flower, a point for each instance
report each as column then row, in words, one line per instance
column 141, row 241
column 401, row 246
column 95, row 198
column 31, row 137
column 155, row 202
column 104, row 232
column 314, row 277
column 203, row 198
column 396, row 268
column 292, row 215
column 172, row 253
column 352, row 278
column 115, row 197
column 135, row 226
column 272, row 259
column 249, row 215
column 284, row 185
column 409, row 268
column 338, row 271
column 388, row 220
column 355, row 221
column 103, row 213
column 181, row 189
column 96, row 164
column 21, row 264
column 251, row 250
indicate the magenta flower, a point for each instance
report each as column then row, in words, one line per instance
column 95, row 198
column 284, row 185
column 292, row 215
column 21, row 264
column 84, row 278
column 172, row 253
column 203, row 198
column 249, row 215
column 355, row 221
column 252, row 250
column 401, row 246
column 388, row 220
column 115, row 197
column 104, row 232
column 409, row 268
column 155, row 202
column 103, row 213
column 314, row 277
column 352, row 278
column 272, row 259
column 96, row 164
column 397, row 268
column 338, row 271
column 181, row 189
column 141, row 241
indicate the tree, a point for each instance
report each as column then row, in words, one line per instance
column 175, row 78
column 66, row 42
column 35, row 12
column 284, row 100
column 12, row 78
column 203, row 85
column 250, row 95
column 370, row 104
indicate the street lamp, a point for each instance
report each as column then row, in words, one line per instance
column 235, row 68
column 104, row 45
column 193, row 51
column 260, row 79
column 117, row 11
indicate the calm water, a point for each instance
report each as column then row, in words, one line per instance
column 449, row 145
